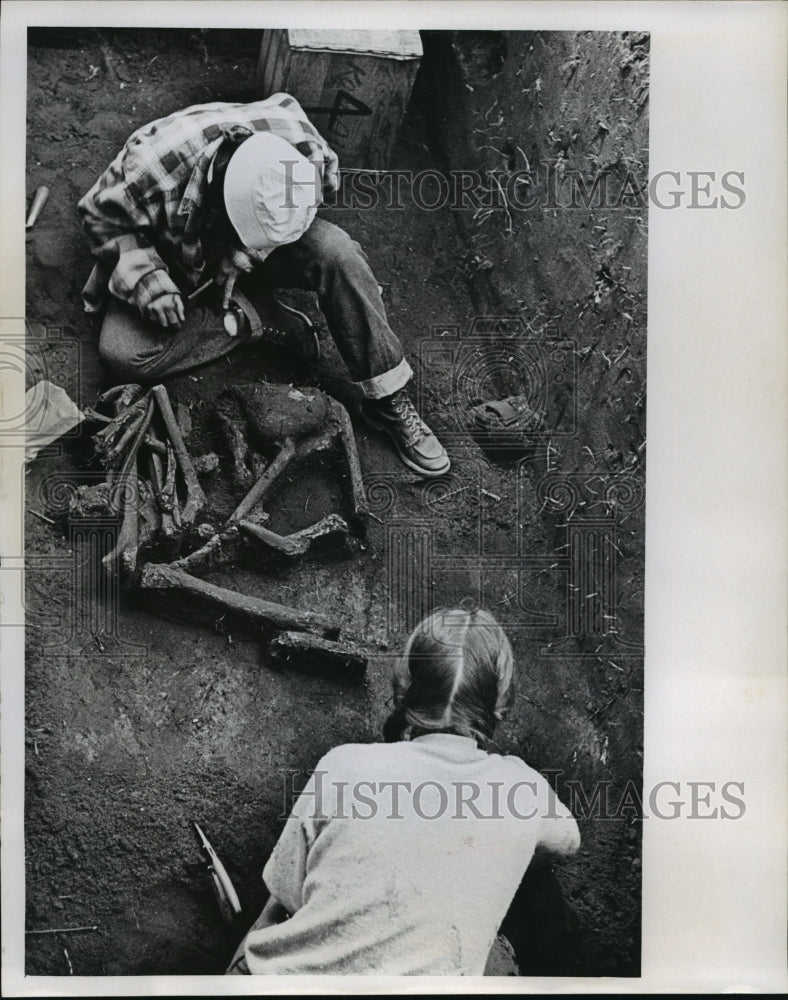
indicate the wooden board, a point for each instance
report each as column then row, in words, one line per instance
column 396, row 44
column 354, row 86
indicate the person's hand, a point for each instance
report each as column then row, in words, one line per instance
column 230, row 266
column 167, row 310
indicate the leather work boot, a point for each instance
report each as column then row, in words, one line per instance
column 416, row 445
column 268, row 319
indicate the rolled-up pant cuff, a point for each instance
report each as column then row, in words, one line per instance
column 380, row 386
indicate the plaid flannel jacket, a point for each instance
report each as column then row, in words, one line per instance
column 146, row 206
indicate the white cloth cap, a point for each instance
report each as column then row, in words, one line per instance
column 271, row 192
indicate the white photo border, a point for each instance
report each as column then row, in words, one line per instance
column 714, row 893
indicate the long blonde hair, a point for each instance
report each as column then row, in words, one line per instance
column 455, row 676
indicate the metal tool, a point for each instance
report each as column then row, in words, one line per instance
column 234, row 319
column 39, row 200
column 226, row 896
column 200, row 290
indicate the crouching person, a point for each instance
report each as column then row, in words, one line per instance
column 230, row 192
column 402, row 857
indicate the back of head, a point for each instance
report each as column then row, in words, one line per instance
column 455, row 676
column 271, row 192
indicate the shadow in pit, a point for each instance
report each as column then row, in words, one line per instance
column 541, row 926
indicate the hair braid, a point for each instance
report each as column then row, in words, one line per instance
column 455, row 676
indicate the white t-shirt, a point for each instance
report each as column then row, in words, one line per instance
column 403, row 858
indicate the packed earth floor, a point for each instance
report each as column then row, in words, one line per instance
column 138, row 723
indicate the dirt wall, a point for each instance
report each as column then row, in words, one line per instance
column 555, row 125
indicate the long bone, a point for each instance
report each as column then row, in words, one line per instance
column 252, row 613
column 299, row 542
column 195, row 498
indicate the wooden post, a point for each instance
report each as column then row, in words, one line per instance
column 353, row 85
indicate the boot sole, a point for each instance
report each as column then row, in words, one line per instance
column 402, row 456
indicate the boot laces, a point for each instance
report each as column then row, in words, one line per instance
column 407, row 413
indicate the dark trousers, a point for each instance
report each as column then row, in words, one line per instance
column 325, row 260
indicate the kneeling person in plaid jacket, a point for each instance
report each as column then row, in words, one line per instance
column 231, row 191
